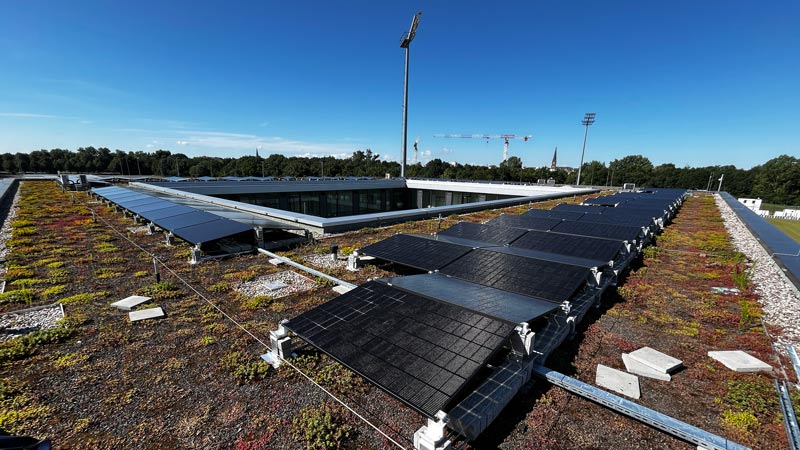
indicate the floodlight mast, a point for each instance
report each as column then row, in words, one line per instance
column 405, row 42
column 588, row 119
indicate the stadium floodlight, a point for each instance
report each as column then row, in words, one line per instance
column 588, row 119
column 405, row 42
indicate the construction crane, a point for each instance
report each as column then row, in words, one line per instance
column 505, row 137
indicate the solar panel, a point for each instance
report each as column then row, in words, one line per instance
column 161, row 213
column 184, row 220
column 601, row 230
column 416, row 251
column 496, row 303
column 154, row 206
column 619, row 219
column 580, row 208
column 210, row 231
column 527, row 276
column 570, row 244
column 607, row 200
column 483, row 233
column 140, row 202
column 567, row 215
column 529, row 223
column 550, row 256
column 423, row 352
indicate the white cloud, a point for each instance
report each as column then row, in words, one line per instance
column 182, row 142
column 269, row 144
column 446, row 151
column 28, row 115
column 263, row 124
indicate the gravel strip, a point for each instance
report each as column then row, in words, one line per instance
column 294, row 283
column 779, row 298
column 13, row 325
column 5, row 231
column 325, row 261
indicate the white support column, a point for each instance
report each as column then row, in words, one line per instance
column 522, row 340
column 281, row 345
column 432, row 435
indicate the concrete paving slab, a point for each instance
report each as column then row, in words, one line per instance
column 656, row 360
column 150, row 313
column 127, row 303
column 635, row 367
column 342, row 289
column 740, row 361
column 275, row 262
column 617, row 381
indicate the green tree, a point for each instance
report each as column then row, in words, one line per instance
column 632, row 169
column 778, row 180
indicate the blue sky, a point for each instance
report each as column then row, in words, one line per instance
column 693, row 83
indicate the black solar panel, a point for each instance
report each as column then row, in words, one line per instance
column 529, row 223
column 209, row 231
column 607, row 200
column 416, row 251
column 567, row 215
column 634, row 220
column 184, row 220
column 570, row 244
column 580, row 208
column 141, row 202
column 483, row 233
column 158, row 214
column 527, row 276
column 154, row 206
column 421, row 351
column 601, row 230
column 499, row 304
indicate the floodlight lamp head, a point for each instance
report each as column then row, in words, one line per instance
column 588, row 119
column 405, row 41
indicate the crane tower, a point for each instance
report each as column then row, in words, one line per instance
column 505, row 137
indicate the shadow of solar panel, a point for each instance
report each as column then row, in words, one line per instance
column 209, row 231
column 415, row 251
column 601, row 230
column 528, row 223
column 580, row 208
column 527, row 276
column 503, row 305
column 564, row 215
column 570, row 244
column 483, row 233
column 423, row 352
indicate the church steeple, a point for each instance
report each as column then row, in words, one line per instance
column 555, row 159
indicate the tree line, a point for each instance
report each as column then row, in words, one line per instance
column 775, row 181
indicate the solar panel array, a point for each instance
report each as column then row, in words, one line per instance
column 423, row 352
column 422, row 338
column 190, row 224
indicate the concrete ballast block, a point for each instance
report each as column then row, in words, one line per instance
column 127, row 303
column 740, row 361
column 635, row 367
column 151, row 313
column 617, row 381
column 340, row 289
column 656, row 360
column 275, row 262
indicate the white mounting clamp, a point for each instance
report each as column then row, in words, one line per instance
column 522, row 340
column 170, row 237
column 596, row 276
column 566, row 306
column 431, row 436
column 281, row 345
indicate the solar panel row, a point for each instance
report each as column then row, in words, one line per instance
column 190, row 224
column 422, row 338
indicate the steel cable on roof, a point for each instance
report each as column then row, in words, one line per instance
column 239, row 325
